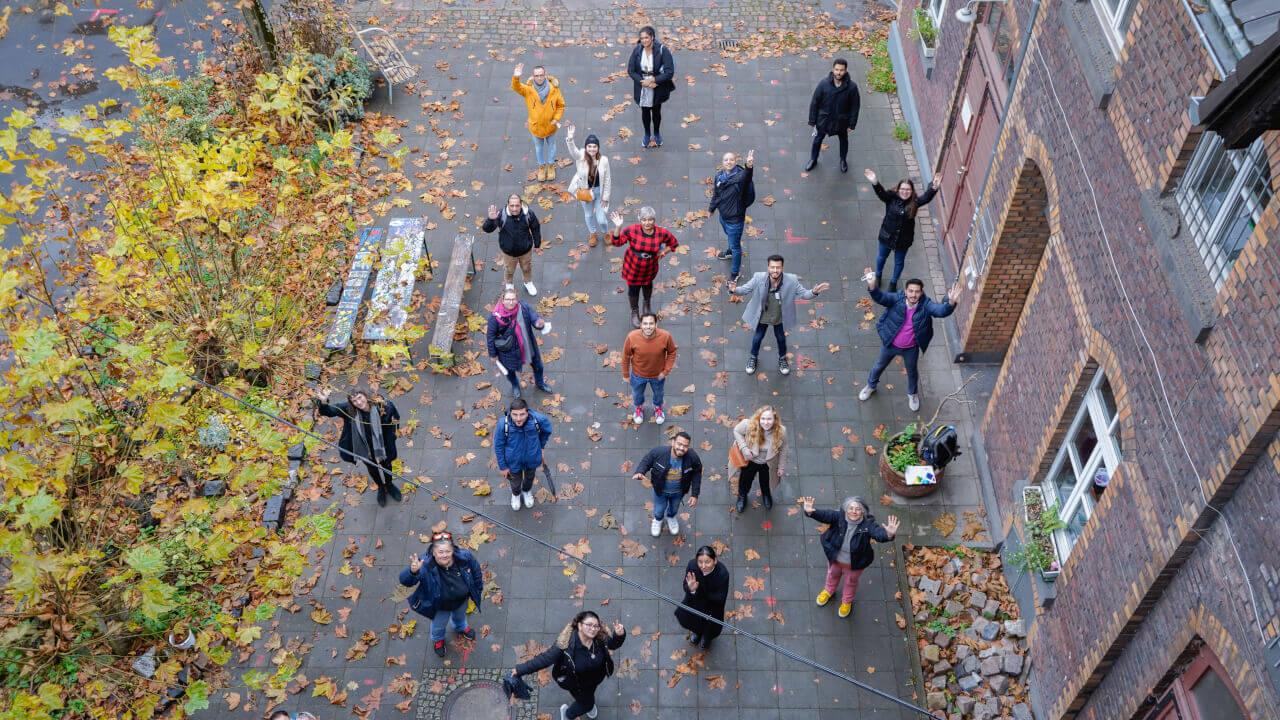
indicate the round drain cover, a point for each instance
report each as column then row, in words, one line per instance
column 480, row 700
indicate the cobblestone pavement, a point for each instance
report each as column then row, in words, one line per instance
column 824, row 224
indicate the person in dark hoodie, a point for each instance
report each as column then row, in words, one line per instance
column 847, row 544
column 447, row 577
column 833, row 111
column 730, row 198
column 706, row 589
column 652, row 74
column 579, row 660
column 898, row 230
column 518, row 234
column 368, row 434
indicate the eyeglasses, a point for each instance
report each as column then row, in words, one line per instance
column 590, row 625
column 442, row 535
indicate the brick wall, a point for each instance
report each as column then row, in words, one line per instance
column 1154, row 567
column 937, row 90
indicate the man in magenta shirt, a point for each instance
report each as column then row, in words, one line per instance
column 905, row 329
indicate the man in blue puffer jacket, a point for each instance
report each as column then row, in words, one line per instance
column 905, row 329
column 447, row 577
column 517, row 443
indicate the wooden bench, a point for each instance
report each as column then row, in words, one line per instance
column 403, row 248
column 353, row 290
column 386, row 56
column 462, row 265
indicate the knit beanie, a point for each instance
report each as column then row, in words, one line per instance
column 591, row 139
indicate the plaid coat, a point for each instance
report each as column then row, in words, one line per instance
column 640, row 264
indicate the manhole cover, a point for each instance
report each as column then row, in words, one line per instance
column 476, row 701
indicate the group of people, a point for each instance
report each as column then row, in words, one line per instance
column 447, row 580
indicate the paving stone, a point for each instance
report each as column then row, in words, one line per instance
column 1022, row 712
column 942, row 640
column 1016, row 628
column 1012, row 664
column 991, row 608
column 999, row 684
column 962, row 652
column 936, row 701
column 953, row 608
column 929, row 654
column 965, row 704
column 970, row 681
column 929, row 585
column 990, row 666
column 977, row 599
column 942, row 667
column 990, row 631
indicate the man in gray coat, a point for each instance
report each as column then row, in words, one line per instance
column 772, row 301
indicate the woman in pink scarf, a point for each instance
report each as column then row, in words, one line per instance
column 511, row 343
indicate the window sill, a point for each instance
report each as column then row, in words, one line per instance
column 1193, row 291
column 1092, row 49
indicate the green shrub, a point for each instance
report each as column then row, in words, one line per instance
column 880, row 76
column 339, row 86
column 902, row 131
column 194, row 95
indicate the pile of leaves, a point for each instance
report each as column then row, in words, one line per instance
column 198, row 262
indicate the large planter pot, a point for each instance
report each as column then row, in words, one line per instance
column 897, row 481
column 1049, row 574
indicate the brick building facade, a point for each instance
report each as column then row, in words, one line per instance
column 1123, row 268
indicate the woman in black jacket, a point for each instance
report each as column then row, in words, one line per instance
column 368, row 434
column 579, row 661
column 898, row 230
column 706, row 589
column 652, row 71
column 847, row 544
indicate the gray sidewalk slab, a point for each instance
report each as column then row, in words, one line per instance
column 825, row 225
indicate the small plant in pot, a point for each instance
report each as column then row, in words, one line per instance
column 924, row 30
column 1037, row 552
column 902, row 450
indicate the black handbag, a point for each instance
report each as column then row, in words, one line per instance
column 505, row 342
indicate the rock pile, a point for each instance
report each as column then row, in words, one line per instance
column 972, row 641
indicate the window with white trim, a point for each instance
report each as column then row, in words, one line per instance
column 1089, row 455
column 1114, row 15
column 1222, row 196
column 936, row 8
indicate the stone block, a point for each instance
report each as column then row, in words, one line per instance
column 933, row 599
column 988, row 652
column 1012, row 664
column 953, row 608
column 969, row 665
column 929, row 585
column 942, row 667
column 948, row 591
column 942, row 640
column 990, row 666
column 913, row 580
column 977, row 600
column 965, row 704
column 297, row 453
column 991, row 608
column 1016, row 628
column 999, row 684
column 930, row 654
column 1022, row 712
column 935, row 701
column 273, row 513
column 988, row 710
column 213, row 488
column 990, row 631
column 939, row 682
column 969, row 682
column 962, row 652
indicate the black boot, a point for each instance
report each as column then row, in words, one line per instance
column 768, row 502
column 742, row 504
column 394, row 491
column 705, row 642
column 382, row 496
column 813, row 162
column 635, row 311
column 694, row 638
column 893, row 287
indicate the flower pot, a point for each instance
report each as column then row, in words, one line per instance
column 1052, row 572
column 185, row 644
column 897, row 481
column 925, row 50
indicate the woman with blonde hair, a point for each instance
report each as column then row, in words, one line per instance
column 592, row 180
column 762, row 442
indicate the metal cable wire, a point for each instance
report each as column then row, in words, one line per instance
column 516, row 531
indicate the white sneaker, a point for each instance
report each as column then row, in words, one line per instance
column 515, row 501
column 865, row 393
column 913, row 401
column 564, row 710
column 638, row 417
column 511, row 286
column 655, row 528
column 659, row 417
column 528, row 499
column 592, row 712
column 673, row 526
column 531, row 288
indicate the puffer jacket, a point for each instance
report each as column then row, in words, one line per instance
column 898, row 229
column 424, row 597
column 921, row 322
column 834, row 109
column 544, row 115
column 520, row 448
column 572, row 666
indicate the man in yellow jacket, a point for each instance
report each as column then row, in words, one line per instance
column 545, row 104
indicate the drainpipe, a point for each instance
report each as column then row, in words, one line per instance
column 1004, row 116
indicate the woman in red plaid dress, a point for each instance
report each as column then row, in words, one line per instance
column 644, row 241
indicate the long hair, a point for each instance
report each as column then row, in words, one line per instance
column 755, row 433
column 913, row 203
column 591, row 162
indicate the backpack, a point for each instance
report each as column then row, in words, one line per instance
column 939, row 447
column 506, row 425
column 749, row 194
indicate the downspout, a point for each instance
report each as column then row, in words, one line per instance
column 1004, row 116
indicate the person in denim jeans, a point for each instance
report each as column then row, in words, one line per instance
column 446, row 581
column 545, row 105
column 673, row 472
column 729, row 197
column 648, row 354
column 593, row 176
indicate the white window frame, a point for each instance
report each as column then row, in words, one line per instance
column 1114, row 23
column 1210, row 227
column 937, row 9
column 1106, row 454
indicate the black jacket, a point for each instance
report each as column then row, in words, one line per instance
column 655, row 463
column 572, row 666
column 713, row 592
column 728, row 195
column 834, row 109
column 516, row 235
column 664, row 70
column 346, row 446
column 860, row 552
column 898, row 230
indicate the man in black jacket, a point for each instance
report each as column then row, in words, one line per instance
column 730, row 198
column 833, row 111
column 519, row 232
column 674, row 471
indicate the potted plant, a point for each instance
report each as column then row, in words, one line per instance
column 1038, row 552
column 900, row 451
column 925, row 31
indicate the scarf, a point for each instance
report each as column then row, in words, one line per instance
column 543, row 90
column 509, row 318
column 374, row 447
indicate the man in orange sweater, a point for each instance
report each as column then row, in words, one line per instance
column 647, row 358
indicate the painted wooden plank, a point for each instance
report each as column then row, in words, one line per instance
column 455, row 283
column 393, row 288
column 353, row 290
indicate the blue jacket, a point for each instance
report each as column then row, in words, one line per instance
column 511, row 359
column 423, row 600
column 922, row 322
column 520, row 448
